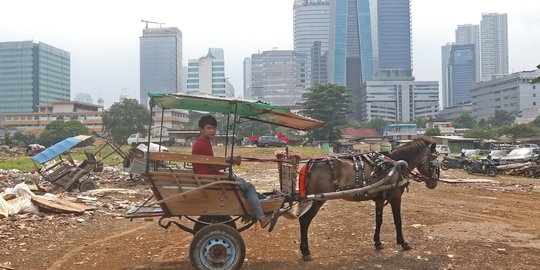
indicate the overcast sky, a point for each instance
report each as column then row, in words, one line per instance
column 103, row 36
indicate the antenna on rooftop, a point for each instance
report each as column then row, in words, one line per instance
column 147, row 22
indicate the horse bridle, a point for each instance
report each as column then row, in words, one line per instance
column 433, row 168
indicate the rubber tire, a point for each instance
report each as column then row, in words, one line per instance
column 86, row 184
column 492, row 171
column 215, row 231
column 469, row 169
column 444, row 165
column 265, row 145
column 283, row 145
column 212, row 219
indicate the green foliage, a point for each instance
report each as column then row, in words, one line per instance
column 56, row 131
column 536, row 121
column 433, row 132
column 483, row 132
column 421, row 122
column 501, row 118
column 254, row 128
column 328, row 103
column 517, row 131
column 21, row 139
column 124, row 118
column 376, row 123
column 536, row 80
column 7, row 139
column 464, row 120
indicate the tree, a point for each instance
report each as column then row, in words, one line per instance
column 536, row 80
column 483, row 132
column 464, row 120
column 328, row 103
column 421, row 122
column 517, row 131
column 536, row 121
column 433, row 132
column 501, row 118
column 376, row 123
column 124, row 118
column 21, row 139
column 56, row 131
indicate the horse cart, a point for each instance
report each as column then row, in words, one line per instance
column 214, row 204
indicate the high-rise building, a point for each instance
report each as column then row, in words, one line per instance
column 206, row 75
column 160, row 61
column 394, row 51
column 399, row 101
column 247, row 78
column 311, row 25
column 319, row 74
column 459, row 73
column 494, row 45
column 470, row 34
column 513, row 93
column 278, row 77
column 32, row 74
column 445, row 88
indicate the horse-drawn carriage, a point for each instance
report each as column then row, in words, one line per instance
column 215, row 204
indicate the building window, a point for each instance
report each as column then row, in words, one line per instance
column 534, row 95
column 534, row 103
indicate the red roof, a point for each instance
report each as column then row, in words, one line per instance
column 360, row 132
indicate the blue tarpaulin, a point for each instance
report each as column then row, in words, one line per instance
column 59, row 148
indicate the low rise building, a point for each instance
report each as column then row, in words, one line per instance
column 446, row 128
column 513, row 93
column 451, row 113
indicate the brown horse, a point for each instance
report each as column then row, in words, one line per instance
column 341, row 174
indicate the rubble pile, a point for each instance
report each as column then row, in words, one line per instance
column 10, row 178
column 527, row 169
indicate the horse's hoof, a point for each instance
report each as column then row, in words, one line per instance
column 406, row 246
column 307, row 258
column 379, row 246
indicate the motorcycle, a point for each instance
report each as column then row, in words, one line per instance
column 486, row 166
column 454, row 162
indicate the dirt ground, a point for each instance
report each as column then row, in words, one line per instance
column 455, row 226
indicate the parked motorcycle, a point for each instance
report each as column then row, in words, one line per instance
column 453, row 162
column 486, row 166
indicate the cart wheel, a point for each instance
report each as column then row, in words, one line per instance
column 217, row 246
column 212, row 219
column 86, row 184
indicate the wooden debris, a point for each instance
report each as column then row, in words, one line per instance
column 527, row 169
column 58, row 205
column 453, row 181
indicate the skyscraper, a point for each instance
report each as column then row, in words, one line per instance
column 445, row 88
column 206, row 75
column 394, row 53
column 470, row 34
column 494, row 48
column 461, row 73
column 160, row 61
column 32, row 74
column 311, row 25
column 247, row 78
column 278, row 77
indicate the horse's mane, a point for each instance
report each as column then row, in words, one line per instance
column 410, row 150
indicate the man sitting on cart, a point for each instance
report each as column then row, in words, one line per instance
column 203, row 146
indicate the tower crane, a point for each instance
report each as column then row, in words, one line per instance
column 147, row 22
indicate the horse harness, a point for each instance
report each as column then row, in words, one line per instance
column 379, row 162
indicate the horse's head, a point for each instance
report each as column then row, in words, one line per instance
column 429, row 167
column 420, row 154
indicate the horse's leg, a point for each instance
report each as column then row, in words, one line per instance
column 396, row 212
column 305, row 220
column 379, row 206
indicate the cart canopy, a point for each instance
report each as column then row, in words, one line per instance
column 253, row 110
column 59, row 148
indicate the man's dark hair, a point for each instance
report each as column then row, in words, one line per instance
column 207, row 120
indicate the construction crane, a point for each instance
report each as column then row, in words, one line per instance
column 147, row 22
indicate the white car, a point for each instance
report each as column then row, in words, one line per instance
column 442, row 149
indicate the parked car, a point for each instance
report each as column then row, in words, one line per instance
column 496, row 155
column 520, row 155
column 442, row 149
column 265, row 141
column 477, row 153
column 528, row 145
